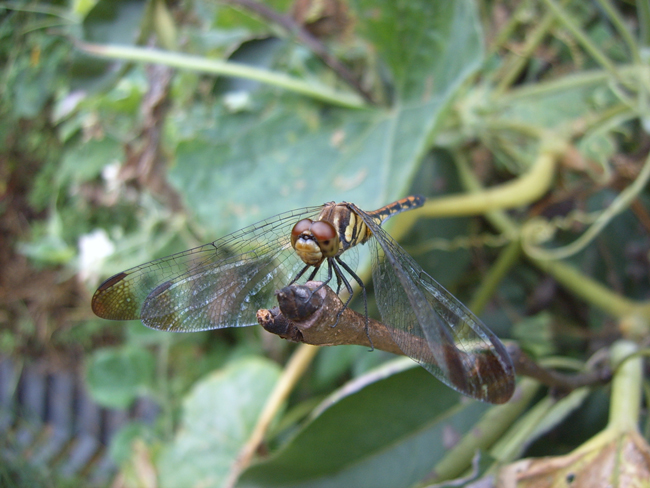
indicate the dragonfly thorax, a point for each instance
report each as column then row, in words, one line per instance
column 315, row 241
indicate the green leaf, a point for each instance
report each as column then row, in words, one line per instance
column 386, row 429
column 288, row 152
column 121, row 449
column 514, row 121
column 558, row 103
column 116, row 376
column 218, row 416
column 114, row 21
column 231, row 17
column 429, row 46
column 332, row 362
column 85, row 161
column 535, row 334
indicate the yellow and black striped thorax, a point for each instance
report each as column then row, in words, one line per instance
column 350, row 227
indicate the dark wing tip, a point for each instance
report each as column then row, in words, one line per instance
column 493, row 376
column 484, row 375
column 111, row 281
column 113, row 301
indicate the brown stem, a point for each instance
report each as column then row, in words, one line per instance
column 307, row 39
column 560, row 382
column 308, row 314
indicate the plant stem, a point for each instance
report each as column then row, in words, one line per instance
column 303, row 36
column 616, row 19
column 577, row 80
column 522, row 191
column 621, row 203
column 506, row 33
column 578, row 283
column 510, row 444
column 644, row 23
column 162, row 366
column 626, row 387
column 493, row 424
column 567, row 19
column 517, row 64
column 507, row 259
column 226, row 68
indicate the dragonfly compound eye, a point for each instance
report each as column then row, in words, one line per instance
column 327, row 238
column 298, row 229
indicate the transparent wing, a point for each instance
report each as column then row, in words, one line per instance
column 220, row 284
column 431, row 326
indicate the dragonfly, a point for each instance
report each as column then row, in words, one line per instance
column 224, row 283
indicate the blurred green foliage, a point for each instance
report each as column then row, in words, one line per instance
column 115, row 151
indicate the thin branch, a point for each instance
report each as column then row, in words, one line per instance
column 310, row 317
column 560, row 382
column 317, row 47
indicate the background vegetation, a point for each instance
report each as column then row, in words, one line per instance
column 133, row 129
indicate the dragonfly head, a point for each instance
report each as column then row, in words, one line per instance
column 314, row 241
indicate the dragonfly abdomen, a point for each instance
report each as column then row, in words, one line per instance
column 408, row 203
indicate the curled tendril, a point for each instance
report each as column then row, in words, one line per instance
column 538, row 230
column 462, row 242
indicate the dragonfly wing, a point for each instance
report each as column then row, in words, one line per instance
column 220, row 284
column 433, row 327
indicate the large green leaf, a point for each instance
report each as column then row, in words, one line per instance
column 116, row 376
column 218, row 416
column 385, row 429
column 235, row 168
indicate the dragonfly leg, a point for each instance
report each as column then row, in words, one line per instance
column 341, row 277
column 338, row 283
column 329, row 278
column 363, row 290
column 313, row 273
column 302, row 272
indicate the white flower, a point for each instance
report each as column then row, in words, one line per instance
column 93, row 249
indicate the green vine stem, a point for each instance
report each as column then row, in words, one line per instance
column 643, row 8
column 518, row 63
column 593, row 292
column 576, row 80
column 625, row 397
column 510, row 444
column 626, row 387
column 567, row 19
column 568, row 276
column 618, row 22
column 516, row 193
column 507, row 31
column 225, row 68
column 486, row 432
column 506, row 260
column 538, row 227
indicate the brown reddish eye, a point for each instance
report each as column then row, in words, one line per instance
column 301, row 227
column 298, row 229
column 323, row 231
